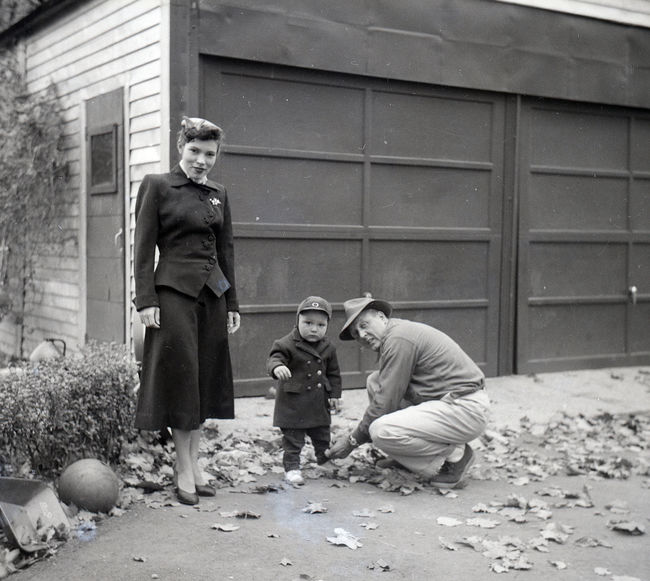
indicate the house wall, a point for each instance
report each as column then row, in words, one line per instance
column 95, row 48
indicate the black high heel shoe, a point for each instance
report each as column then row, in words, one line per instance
column 205, row 490
column 184, row 497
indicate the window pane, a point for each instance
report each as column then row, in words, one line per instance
column 102, row 159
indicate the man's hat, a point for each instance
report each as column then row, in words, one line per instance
column 315, row 304
column 354, row 307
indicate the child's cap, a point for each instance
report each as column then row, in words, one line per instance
column 315, row 304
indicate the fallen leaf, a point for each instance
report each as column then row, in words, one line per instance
column 224, row 528
column 365, row 513
column 445, row 544
column 369, row 526
column 448, row 521
column 285, row 562
column 315, row 508
column 591, row 542
column 387, row 508
column 558, row 564
column 484, row 523
column 602, row 571
column 629, row 527
column 139, row 559
column 343, row 537
column 383, row 565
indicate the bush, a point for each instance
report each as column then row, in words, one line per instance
column 61, row 410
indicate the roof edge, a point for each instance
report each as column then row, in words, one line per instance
column 42, row 15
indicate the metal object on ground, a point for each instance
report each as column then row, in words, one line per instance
column 30, row 513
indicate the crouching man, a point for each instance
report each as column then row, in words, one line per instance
column 427, row 400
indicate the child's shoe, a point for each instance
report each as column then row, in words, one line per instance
column 294, row 477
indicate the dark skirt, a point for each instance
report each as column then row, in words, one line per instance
column 186, row 370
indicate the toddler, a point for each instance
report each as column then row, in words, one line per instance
column 305, row 363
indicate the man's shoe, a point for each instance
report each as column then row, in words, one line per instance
column 452, row 473
column 294, row 477
column 389, row 463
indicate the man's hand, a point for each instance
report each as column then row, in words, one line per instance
column 282, row 372
column 340, row 449
column 234, row 321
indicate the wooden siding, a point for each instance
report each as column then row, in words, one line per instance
column 100, row 46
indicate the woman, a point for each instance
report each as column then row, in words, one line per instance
column 188, row 303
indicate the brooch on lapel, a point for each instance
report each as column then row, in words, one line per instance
column 215, row 201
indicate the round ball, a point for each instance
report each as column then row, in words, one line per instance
column 89, row 484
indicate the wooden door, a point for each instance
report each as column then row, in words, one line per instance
column 584, row 245
column 105, row 266
column 341, row 185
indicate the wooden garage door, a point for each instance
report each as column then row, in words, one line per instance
column 341, row 185
column 584, row 252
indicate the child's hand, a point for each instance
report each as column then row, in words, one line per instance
column 281, row 372
column 335, row 404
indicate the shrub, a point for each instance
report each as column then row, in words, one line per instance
column 62, row 410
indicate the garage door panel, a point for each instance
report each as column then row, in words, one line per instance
column 576, row 331
column 578, row 202
column 569, row 139
column 272, row 271
column 264, row 112
column 415, row 196
column 580, row 269
column 639, row 343
column 430, row 127
column 425, row 270
column 640, row 137
column 640, row 205
column 294, row 191
column 640, row 268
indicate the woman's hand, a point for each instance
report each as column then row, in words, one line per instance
column 150, row 317
column 234, row 321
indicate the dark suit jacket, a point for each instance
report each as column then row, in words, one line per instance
column 192, row 228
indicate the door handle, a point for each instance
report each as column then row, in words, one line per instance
column 118, row 239
column 632, row 292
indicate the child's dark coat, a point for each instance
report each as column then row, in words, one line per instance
column 301, row 401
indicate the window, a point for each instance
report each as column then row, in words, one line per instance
column 103, row 160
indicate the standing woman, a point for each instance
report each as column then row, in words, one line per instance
column 187, row 302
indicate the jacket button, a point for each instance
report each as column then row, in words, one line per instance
column 308, row 388
column 319, row 372
column 309, row 375
column 319, row 385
